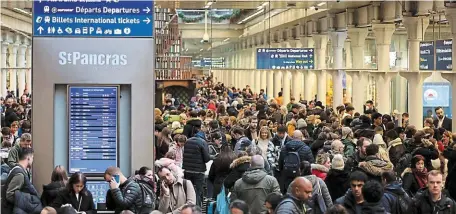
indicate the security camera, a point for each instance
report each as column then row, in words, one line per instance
column 316, row 8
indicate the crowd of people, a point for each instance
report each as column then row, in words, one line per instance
column 237, row 151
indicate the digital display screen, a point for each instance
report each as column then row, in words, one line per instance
column 92, row 128
column 98, row 190
column 285, row 58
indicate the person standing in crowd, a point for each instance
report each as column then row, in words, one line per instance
column 295, row 201
column 272, row 200
column 255, row 185
column 19, row 194
column 337, row 178
column 374, row 166
column 59, row 179
column 175, row 192
column 242, row 142
column 442, row 121
column 123, row 193
column 395, row 147
column 290, row 159
column 251, row 132
column 353, row 200
column 220, row 168
column 395, row 200
column 321, row 197
column 196, row 155
column 432, row 199
column 360, row 155
column 76, row 195
column 415, row 177
column 193, row 125
column 13, row 155
column 372, row 194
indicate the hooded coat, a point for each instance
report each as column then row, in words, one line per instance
column 337, row 182
column 390, row 197
column 374, row 167
column 238, row 167
column 319, row 170
column 422, row 204
column 50, row 192
column 383, row 154
column 192, row 126
column 395, row 150
column 253, row 188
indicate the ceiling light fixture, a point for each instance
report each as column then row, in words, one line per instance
column 208, row 5
column 312, row 7
column 251, row 16
column 321, row 4
column 226, row 39
column 262, row 5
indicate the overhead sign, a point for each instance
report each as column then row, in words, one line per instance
column 427, row 55
column 443, row 55
column 92, row 128
column 285, row 58
column 93, row 18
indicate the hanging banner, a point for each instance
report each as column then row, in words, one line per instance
column 436, row 94
column 443, row 55
column 285, row 58
column 427, row 55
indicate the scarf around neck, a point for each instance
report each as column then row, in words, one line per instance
column 421, row 177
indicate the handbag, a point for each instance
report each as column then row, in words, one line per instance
column 321, row 201
column 222, row 203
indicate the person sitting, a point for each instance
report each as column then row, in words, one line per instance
column 124, row 194
column 59, row 179
column 175, row 192
column 75, row 195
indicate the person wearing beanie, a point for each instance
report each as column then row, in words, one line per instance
column 337, row 177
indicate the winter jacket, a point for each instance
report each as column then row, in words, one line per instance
column 319, row 170
column 374, row 167
column 382, row 152
column 278, row 142
column 373, row 208
column 429, row 153
column 390, row 197
column 318, row 182
column 348, row 201
column 242, row 144
column 422, row 204
column 395, row 150
column 26, row 203
column 192, row 126
column 83, row 203
column 238, row 167
column 290, row 205
column 450, row 154
column 316, row 146
column 305, row 154
column 350, row 147
column 13, row 155
column 178, row 197
column 409, row 182
column 196, row 155
column 126, row 197
column 337, row 182
column 253, row 188
column 354, row 160
column 50, row 192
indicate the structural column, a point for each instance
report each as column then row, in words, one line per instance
column 383, row 34
column 416, row 26
column 337, row 43
column 286, row 87
column 277, row 82
column 321, row 41
column 450, row 15
column 451, row 77
column 309, row 79
column 4, row 70
column 360, row 79
column 297, row 84
column 263, row 80
column 21, row 64
column 415, row 96
column 13, row 48
column 270, row 85
column 28, row 76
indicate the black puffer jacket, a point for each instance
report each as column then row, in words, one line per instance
column 337, row 182
column 238, row 167
column 196, row 155
column 422, row 204
column 192, row 126
column 50, row 192
column 305, row 154
column 126, row 197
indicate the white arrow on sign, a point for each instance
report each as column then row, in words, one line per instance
column 147, row 20
column 147, row 10
column 40, row 29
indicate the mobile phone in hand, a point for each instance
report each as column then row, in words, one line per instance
column 117, row 178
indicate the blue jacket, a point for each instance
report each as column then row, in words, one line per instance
column 389, row 199
column 305, row 154
column 196, row 155
column 26, row 203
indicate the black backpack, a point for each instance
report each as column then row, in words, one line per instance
column 147, row 193
column 292, row 162
column 401, row 202
column 403, row 163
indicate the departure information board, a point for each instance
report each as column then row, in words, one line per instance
column 92, row 128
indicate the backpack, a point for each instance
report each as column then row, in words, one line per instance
column 403, row 163
column 401, row 202
column 292, row 162
column 147, row 193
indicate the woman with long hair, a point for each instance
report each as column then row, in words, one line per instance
column 76, row 195
column 220, row 168
column 268, row 150
column 59, row 179
column 163, row 141
column 415, row 177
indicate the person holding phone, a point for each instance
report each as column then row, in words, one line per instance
column 124, row 194
column 75, row 195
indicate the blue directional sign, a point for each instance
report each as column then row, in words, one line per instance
column 427, row 55
column 285, row 58
column 443, row 55
column 93, row 126
column 93, row 18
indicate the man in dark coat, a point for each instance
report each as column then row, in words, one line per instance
column 123, row 195
column 193, row 125
column 442, row 121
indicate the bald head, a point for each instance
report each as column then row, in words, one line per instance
column 257, row 161
column 297, row 135
column 301, row 188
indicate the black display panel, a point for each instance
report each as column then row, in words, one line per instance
column 98, row 190
column 427, row 55
column 93, row 128
column 443, row 55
